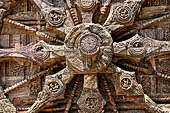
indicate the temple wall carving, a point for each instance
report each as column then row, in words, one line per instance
column 86, row 56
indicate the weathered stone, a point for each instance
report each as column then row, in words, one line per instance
column 88, row 56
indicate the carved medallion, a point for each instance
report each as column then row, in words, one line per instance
column 126, row 82
column 123, row 14
column 55, row 86
column 137, row 48
column 88, row 48
column 55, row 17
column 91, row 101
column 87, row 5
column 89, row 44
column 40, row 51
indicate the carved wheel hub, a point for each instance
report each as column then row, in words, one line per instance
column 88, row 48
column 89, row 44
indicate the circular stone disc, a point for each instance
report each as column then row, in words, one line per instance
column 88, row 48
column 89, row 43
column 55, row 17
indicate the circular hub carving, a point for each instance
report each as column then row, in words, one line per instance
column 88, row 48
column 89, row 43
column 55, row 17
column 123, row 14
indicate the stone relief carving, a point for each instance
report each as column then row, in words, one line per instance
column 87, row 5
column 54, row 16
column 54, row 88
column 152, row 105
column 90, row 99
column 127, row 84
column 140, row 46
column 123, row 13
column 5, row 104
column 89, row 50
column 40, row 52
column 83, row 45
